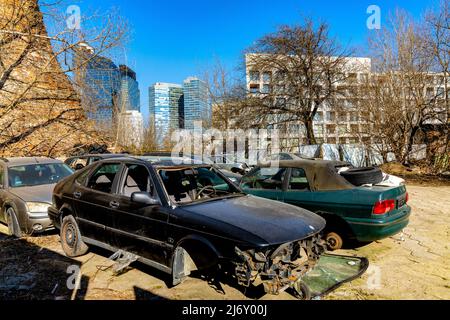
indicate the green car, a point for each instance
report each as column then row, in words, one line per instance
column 366, row 213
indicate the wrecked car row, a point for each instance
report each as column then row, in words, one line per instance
column 180, row 218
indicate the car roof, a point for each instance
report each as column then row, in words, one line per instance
column 157, row 164
column 12, row 162
column 322, row 174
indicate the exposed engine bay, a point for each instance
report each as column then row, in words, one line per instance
column 279, row 269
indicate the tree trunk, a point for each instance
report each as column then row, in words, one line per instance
column 311, row 139
column 409, row 145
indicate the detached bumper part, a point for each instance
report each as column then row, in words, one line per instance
column 281, row 268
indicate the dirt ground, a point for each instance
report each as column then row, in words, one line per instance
column 412, row 265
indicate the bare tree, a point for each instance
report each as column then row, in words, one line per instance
column 437, row 44
column 40, row 112
column 227, row 94
column 302, row 67
column 399, row 99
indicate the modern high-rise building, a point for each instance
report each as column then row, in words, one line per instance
column 99, row 85
column 196, row 103
column 130, row 95
column 166, row 103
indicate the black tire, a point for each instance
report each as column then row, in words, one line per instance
column 71, row 240
column 13, row 223
column 362, row 176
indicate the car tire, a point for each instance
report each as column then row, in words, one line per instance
column 362, row 176
column 13, row 223
column 71, row 241
column 334, row 241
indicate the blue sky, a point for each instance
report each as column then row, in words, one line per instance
column 172, row 40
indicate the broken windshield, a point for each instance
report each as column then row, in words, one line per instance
column 191, row 184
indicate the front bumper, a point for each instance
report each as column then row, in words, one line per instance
column 281, row 268
column 39, row 224
column 368, row 230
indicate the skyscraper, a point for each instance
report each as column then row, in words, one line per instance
column 98, row 83
column 129, row 98
column 166, row 102
column 196, row 104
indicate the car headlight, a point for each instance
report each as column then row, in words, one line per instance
column 37, row 208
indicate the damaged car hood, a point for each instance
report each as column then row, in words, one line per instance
column 266, row 222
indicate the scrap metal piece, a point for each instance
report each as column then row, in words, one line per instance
column 123, row 260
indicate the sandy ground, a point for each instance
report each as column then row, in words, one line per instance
column 412, row 265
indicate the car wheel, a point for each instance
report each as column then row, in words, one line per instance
column 13, row 223
column 71, row 240
column 334, row 241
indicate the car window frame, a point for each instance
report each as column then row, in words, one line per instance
column 123, row 176
column 284, row 185
column 115, row 182
column 289, row 181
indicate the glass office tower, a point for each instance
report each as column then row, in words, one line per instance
column 196, row 103
column 130, row 95
column 166, row 101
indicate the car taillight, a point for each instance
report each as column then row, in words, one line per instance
column 383, row 207
column 407, row 198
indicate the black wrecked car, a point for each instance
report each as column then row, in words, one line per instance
column 183, row 218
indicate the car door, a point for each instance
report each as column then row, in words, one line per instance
column 140, row 229
column 298, row 191
column 93, row 202
column 266, row 183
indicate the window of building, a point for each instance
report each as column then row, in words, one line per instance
column 331, row 129
column 342, row 140
column 354, row 116
column 331, row 116
column 343, row 117
column 318, row 117
column 254, row 88
column 354, row 128
column 265, row 88
column 267, row 77
column 331, row 140
column 254, row 76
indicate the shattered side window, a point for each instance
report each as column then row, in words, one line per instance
column 265, row 178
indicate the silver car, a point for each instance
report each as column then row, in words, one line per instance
column 26, row 187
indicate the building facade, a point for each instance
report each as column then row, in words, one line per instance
column 331, row 125
column 99, row 84
column 166, row 103
column 340, row 121
column 130, row 129
column 130, row 95
column 196, row 103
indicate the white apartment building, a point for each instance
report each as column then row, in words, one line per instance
column 331, row 125
column 130, row 129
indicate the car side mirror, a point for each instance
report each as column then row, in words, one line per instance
column 144, row 198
